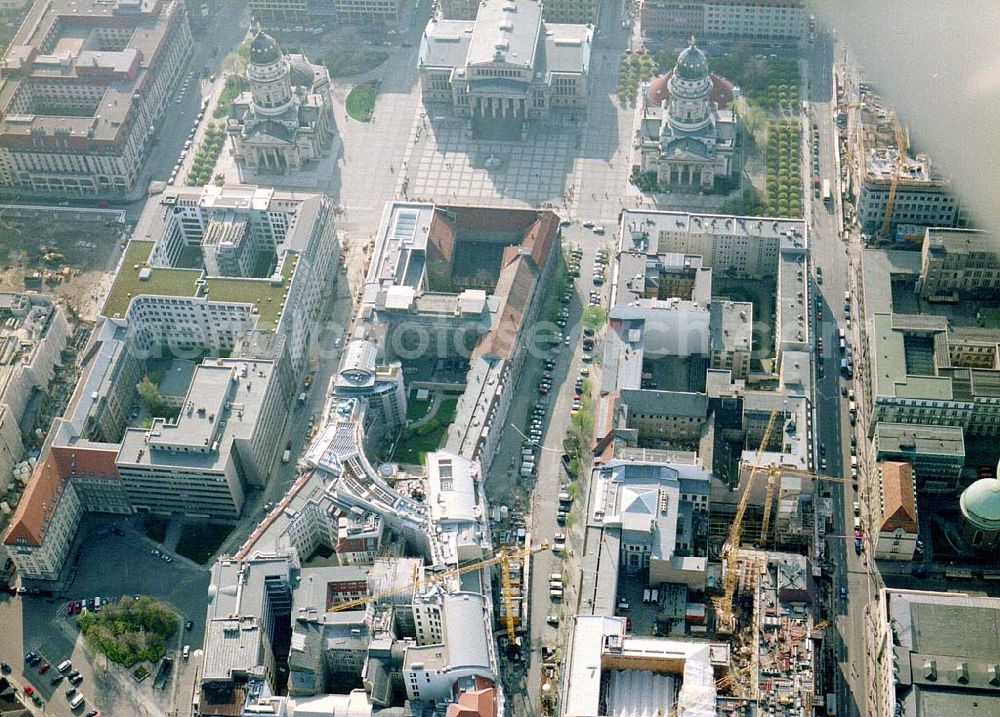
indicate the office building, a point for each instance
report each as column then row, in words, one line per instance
column 225, row 440
column 893, row 516
column 673, row 352
column 505, row 67
column 382, row 387
column 932, row 653
column 923, row 371
column 684, row 135
column 577, row 12
column 85, row 86
column 745, row 20
column 380, row 13
column 33, row 333
column 937, row 453
column 958, row 264
column 459, row 652
column 44, row 524
column 284, row 122
column 980, row 506
column 639, row 510
column 461, row 283
column 247, row 600
column 213, row 268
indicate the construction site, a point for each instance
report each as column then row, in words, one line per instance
column 768, row 602
column 895, row 190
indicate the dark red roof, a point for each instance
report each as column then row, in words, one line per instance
column 659, row 90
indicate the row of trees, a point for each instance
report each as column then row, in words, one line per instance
column 635, row 68
column 208, row 154
column 784, row 168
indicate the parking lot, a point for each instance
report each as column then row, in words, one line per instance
column 109, row 566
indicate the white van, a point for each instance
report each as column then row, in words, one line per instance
column 186, row 652
column 64, row 666
column 854, row 462
column 76, row 702
column 555, row 577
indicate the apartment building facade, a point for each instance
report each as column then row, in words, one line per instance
column 88, row 131
column 353, row 12
column 746, row 20
column 958, row 263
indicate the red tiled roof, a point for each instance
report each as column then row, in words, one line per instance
column 515, row 287
column 541, row 237
column 659, row 90
column 492, row 218
column 47, row 484
column 37, row 504
column 474, row 703
column 89, row 462
column 899, row 503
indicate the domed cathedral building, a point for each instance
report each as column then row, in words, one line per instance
column 686, row 132
column 980, row 506
column 284, row 121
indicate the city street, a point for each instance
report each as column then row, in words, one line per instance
column 829, row 254
column 502, row 480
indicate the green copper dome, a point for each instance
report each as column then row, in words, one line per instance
column 691, row 64
column 264, row 49
column 980, row 504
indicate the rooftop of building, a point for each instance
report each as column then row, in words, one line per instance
column 940, row 241
column 136, row 277
column 731, row 323
column 222, row 404
column 879, row 270
column 65, row 42
column 641, row 225
column 600, row 645
column 899, row 501
column 904, row 438
column 511, row 30
column 792, row 310
column 506, row 31
column 946, row 647
column 234, row 646
column 465, row 637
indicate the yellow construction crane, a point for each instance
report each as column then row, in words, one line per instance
column 502, row 558
column 732, row 543
column 897, row 169
column 772, row 481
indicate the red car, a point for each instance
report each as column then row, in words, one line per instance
column 70, row 608
column 44, row 668
column 29, row 690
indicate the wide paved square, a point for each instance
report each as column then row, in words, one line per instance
column 445, row 165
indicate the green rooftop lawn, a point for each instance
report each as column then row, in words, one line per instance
column 163, row 282
column 182, row 282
